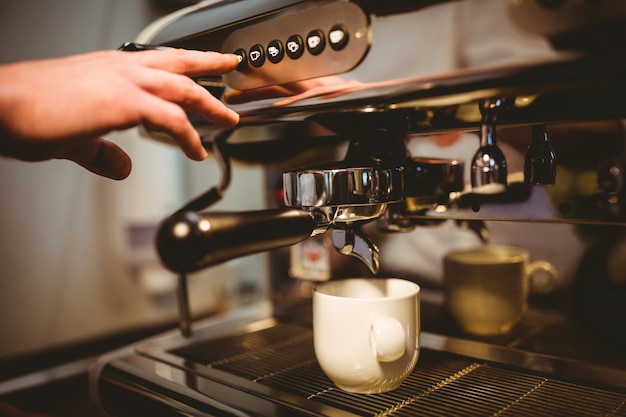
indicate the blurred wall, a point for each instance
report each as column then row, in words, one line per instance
column 68, row 271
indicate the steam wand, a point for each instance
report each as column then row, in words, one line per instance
column 190, row 240
column 203, row 201
column 184, row 310
column 489, row 168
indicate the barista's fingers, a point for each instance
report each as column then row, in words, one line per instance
column 101, row 157
column 189, row 62
column 167, row 117
column 188, row 94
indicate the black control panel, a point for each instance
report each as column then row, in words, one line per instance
column 318, row 41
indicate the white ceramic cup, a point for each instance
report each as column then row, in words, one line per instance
column 366, row 332
column 486, row 288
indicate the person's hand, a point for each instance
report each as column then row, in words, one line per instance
column 60, row 108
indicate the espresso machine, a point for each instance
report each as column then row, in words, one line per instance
column 342, row 102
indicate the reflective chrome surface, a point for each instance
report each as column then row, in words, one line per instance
column 342, row 199
column 489, row 171
column 343, row 188
column 353, row 242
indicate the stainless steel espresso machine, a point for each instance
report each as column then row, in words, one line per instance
column 361, row 112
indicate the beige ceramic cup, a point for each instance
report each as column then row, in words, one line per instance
column 366, row 332
column 486, row 289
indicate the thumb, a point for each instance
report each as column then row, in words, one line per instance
column 101, row 157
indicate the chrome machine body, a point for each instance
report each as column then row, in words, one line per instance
column 328, row 92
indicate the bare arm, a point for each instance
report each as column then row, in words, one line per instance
column 60, row 108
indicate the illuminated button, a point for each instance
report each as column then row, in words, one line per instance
column 275, row 51
column 243, row 62
column 338, row 37
column 294, row 47
column 315, row 42
column 256, row 56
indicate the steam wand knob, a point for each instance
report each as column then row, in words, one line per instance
column 540, row 161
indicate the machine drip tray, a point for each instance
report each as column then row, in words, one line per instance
column 281, row 358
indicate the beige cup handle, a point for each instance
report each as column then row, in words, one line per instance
column 542, row 276
column 387, row 338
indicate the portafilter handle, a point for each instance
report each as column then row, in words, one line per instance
column 190, row 241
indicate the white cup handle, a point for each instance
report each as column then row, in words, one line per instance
column 542, row 277
column 388, row 339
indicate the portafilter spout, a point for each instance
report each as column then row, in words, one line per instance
column 347, row 197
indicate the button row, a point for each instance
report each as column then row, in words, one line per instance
column 294, row 47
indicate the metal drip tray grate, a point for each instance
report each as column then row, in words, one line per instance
column 282, row 358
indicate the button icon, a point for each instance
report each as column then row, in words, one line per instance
column 275, row 51
column 295, row 46
column 338, row 37
column 315, row 42
column 243, row 59
column 256, row 56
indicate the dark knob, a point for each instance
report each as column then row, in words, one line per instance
column 540, row 161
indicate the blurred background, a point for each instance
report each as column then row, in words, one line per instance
column 77, row 263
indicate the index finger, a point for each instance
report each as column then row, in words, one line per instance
column 189, row 62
